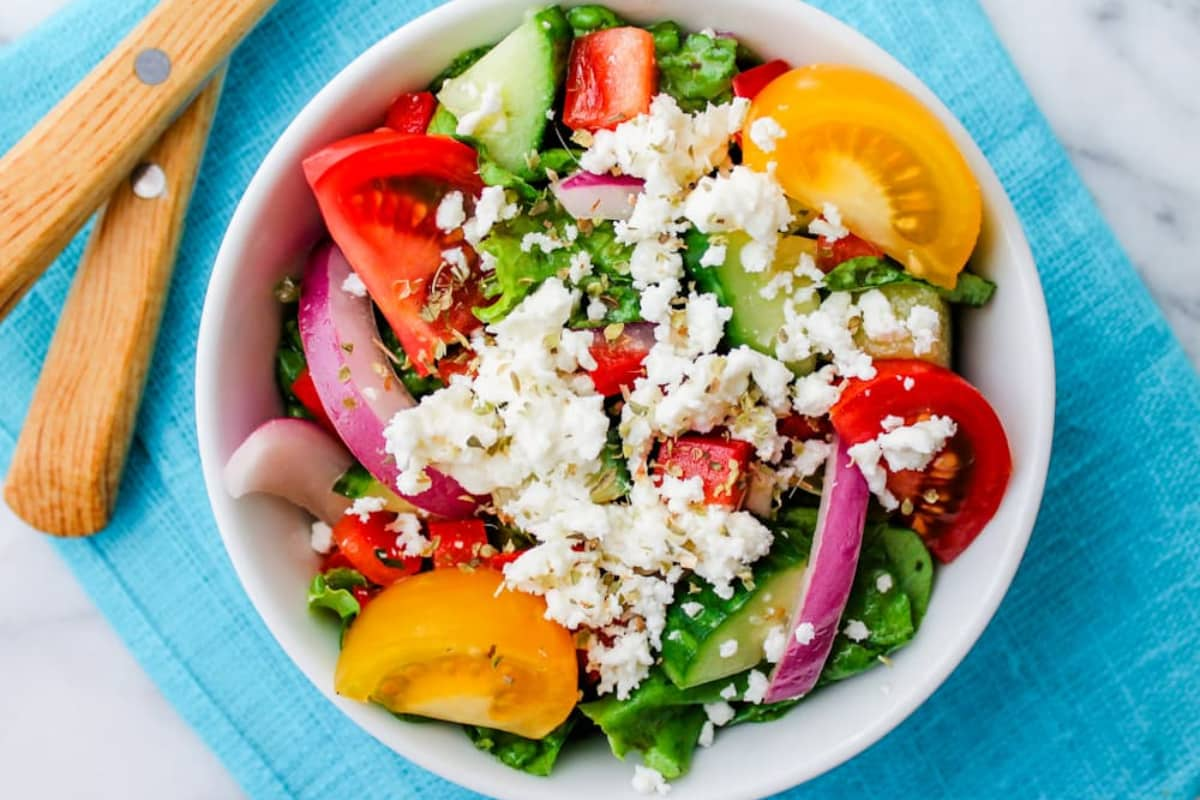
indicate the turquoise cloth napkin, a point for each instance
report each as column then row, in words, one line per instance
column 1086, row 685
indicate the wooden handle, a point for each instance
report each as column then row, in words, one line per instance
column 68, row 165
column 67, row 466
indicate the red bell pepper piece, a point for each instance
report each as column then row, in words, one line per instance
column 611, row 77
column 723, row 465
column 831, row 254
column 411, row 112
column 619, row 361
column 306, row 392
column 749, row 83
column 457, row 541
column 498, row 561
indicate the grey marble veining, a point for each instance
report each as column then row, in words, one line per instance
column 1119, row 81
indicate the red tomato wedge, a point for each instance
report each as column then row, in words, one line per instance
column 831, row 254
column 749, row 83
column 371, row 548
column 721, row 464
column 802, row 428
column 411, row 112
column 951, row 501
column 611, row 77
column 619, row 361
column 379, row 194
column 306, row 392
column 457, row 541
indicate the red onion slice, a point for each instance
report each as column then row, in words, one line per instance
column 827, row 579
column 586, row 195
column 294, row 459
column 355, row 380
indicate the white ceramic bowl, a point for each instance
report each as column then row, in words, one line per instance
column 1005, row 349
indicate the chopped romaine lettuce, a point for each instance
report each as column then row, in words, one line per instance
column 869, row 272
column 667, row 37
column 535, row 756
column 331, row 591
column 700, row 72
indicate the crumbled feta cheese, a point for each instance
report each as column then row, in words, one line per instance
column 756, row 688
column 909, row 383
column 814, row 394
column 708, row 732
column 742, row 200
column 714, row 255
column 596, row 310
column 729, row 692
column 775, row 644
column 765, row 132
column 693, row 610
column 829, row 224
column 580, row 266
column 410, row 543
column 856, row 630
column 321, row 537
column 456, row 259
column 667, row 147
column 728, row 648
column 878, row 319
column 491, row 207
column 353, row 285
column 902, row 447
column 649, row 781
column 805, row 632
column 826, row 331
column 364, row 507
column 883, row 583
column 719, row 713
column 489, row 111
column 781, row 282
column 542, row 241
column 450, row 212
column 923, row 323
column 656, row 301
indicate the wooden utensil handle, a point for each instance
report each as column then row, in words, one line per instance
column 67, row 466
column 68, row 165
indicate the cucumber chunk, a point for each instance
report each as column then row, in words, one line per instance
column 518, row 80
column 756, row 320
column 691, row 651
column 903, row 298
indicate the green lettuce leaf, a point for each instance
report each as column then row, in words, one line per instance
column 668, row 37
column 535, row 756
column 869, row 272
column 700, row 72
column 331, row 591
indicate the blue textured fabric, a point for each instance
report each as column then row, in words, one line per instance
column 1089, row 677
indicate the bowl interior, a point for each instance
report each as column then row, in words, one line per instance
column 267, row 540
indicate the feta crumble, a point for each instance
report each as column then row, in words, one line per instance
column 542, row 241
column 765, row 132
column 901, row 447
column 649, row 781
column 805, row 633
column 728, row 648
column 742, row 200
column 829, row 224
column 708, row 732
column 489, row 111
column 450, row 212
column 756, row 688
column 491, row 207
column 353, row 285
column 729, row 692
column 714, row 256
column 856, row 630
column 884, row 583
column 693, row 610
column 364, row 507
column 775, row 644
column 719, row 713
column 321, row 538
column 456, row 259
column 410, row 542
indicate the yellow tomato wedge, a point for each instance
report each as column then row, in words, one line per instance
column 449, row 644
column 866, row 145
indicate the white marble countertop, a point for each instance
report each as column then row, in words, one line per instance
column 1118, row 80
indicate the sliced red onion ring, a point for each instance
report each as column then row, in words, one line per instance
column 586, row 195
column 827, row 579
column 355, row 380
column 294, row 459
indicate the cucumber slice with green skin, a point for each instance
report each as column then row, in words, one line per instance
column 756, row 321
column 691, row 649
column 903, row 298
column 524, row 71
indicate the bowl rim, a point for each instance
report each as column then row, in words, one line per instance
column 237, row 236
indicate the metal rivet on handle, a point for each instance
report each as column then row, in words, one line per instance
column 149, row 181
column 152, row 66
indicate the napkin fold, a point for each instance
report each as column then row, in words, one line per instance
column 1086, row 684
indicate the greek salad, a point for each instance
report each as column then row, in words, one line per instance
column 622, row 392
